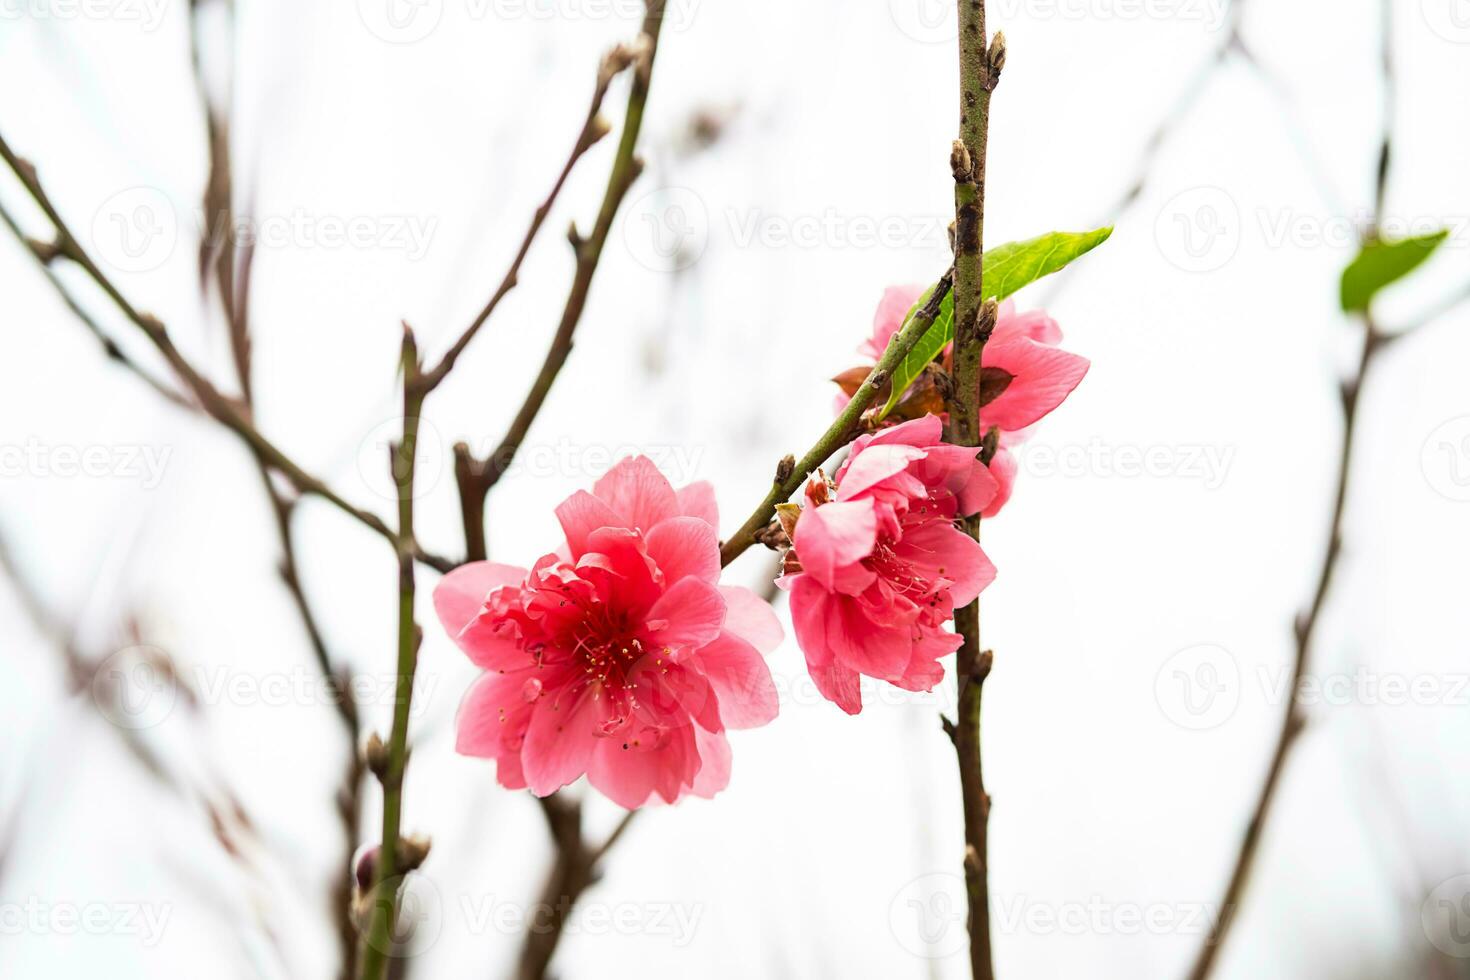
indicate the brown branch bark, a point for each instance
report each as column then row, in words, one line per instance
column 1293, row 719
column 484, row 474
column 981, row 61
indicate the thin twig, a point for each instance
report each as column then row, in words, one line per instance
column 1293, row 718
column 594, row 128
column 625, row 170
column 212, row 401
column 379, row 938
column 981, row 61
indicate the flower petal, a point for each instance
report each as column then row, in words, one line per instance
column 1003, row 467
column 741, row 681
column 638, row 491
column 685, row 546
column 580, row 515
column 1042, row 378
column 689, row 614
column 751, row 618
column 461, row 594
column 698, row 500
column 833, row 535
column 939, row 550
column 560, row 738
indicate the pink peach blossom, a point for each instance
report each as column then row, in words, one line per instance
column 882, row 565
column 1021, row 359
column 620, row 657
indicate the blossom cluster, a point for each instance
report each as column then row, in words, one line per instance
column 621, row 657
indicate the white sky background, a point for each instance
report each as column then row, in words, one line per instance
column 1109, row 796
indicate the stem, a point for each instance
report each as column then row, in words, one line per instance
column 1293, row 720
column 379, row 942
column 843, row 430
column 222, row 409
column 980, row 66
column 625, row 170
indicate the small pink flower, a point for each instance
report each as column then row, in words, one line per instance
column 620, row 656
column 1025, row 374
column 882, row 565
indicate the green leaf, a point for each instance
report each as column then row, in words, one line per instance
column 1381, row 264
column 1013, row 265
column 1007, row 269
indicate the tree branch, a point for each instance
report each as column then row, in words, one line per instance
column 842, row 431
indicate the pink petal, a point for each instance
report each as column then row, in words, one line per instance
column 1033, row 324
column 889, row 317
column 840, row 685
column 939, row 550
column 492, row 724
column 461, row 594
column 1003, row 467
column 873, row 465
column 580, row 515
column 560, row 738
column 688, row 614
column 833, row 535
column 921, row 432
column 685, row 546
column 741, row 681
column 751, row 618
column 1042, row 378
column 698, row 500
column 636, row 489
column 714, row 763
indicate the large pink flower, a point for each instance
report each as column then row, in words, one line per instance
column 882, row 565
column 620, row 656
column 1026, row 375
